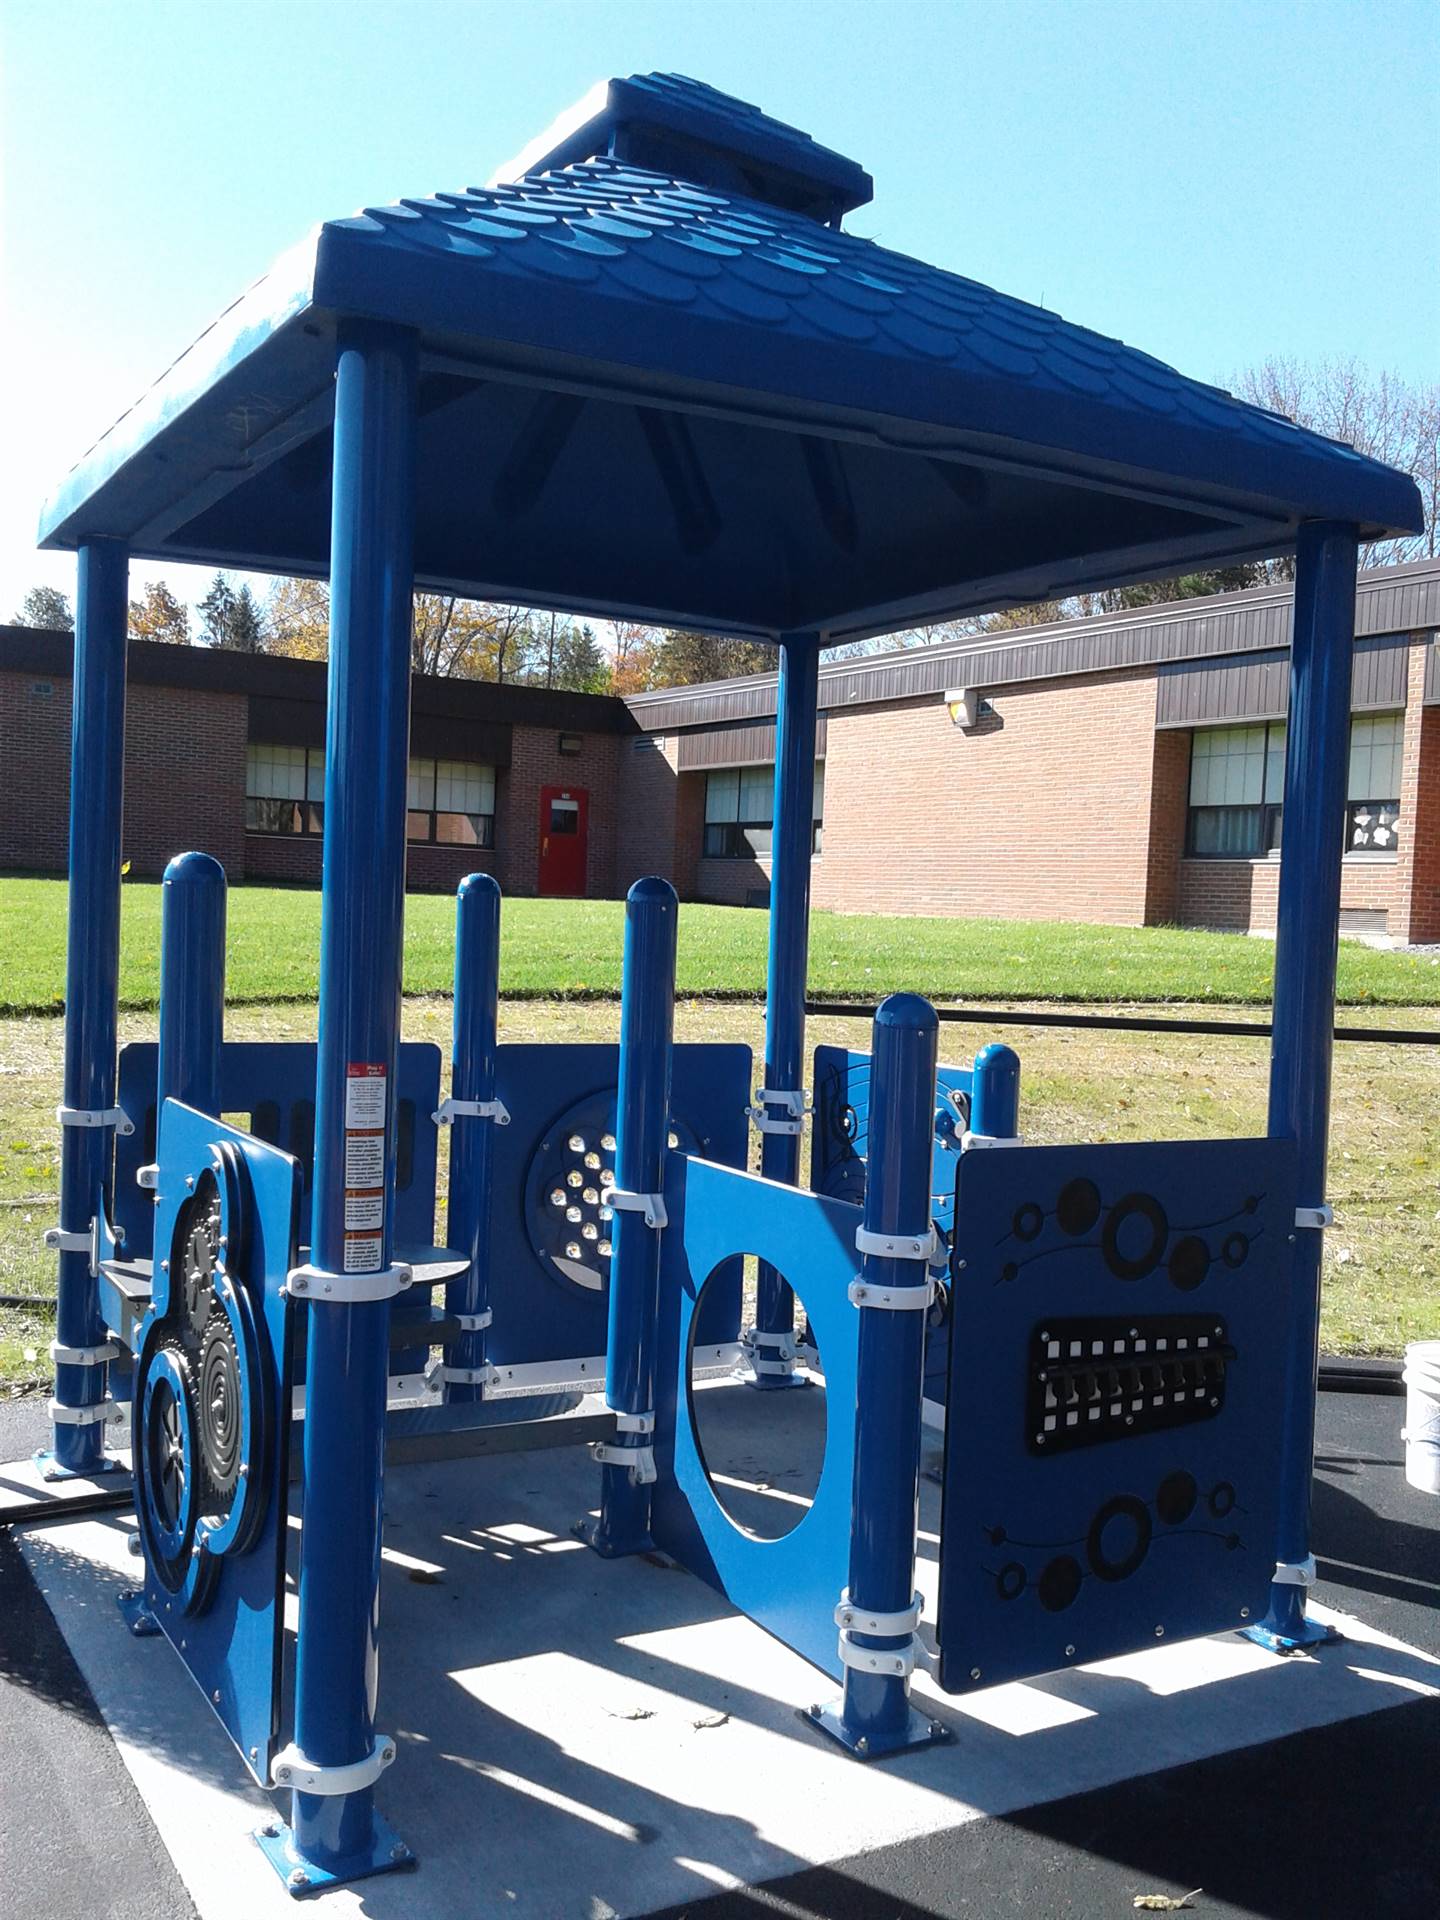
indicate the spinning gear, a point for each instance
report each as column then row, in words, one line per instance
column 219, row 1398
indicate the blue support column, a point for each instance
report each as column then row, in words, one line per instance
column 92, row 976
column 472, row 1084
column 192, row 981
column 336, row 1834
column 995, row 1093
column 647, row 1021
column 791, row 847
column 879, row 1612
column 1317, row 752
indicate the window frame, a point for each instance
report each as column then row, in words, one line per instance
column 731, row 839
column 308, row 808
column 1269, row 812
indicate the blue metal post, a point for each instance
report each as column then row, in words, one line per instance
column 92, row 977
column 791, row 848
column 472, row 1078
column 995, row 1092
column 337, row 1835
column 647, row 1020
column 192, row 981
column 1306, row 946
column 875, row 1716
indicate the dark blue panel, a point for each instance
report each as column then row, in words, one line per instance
column 789, row 1586
column 215, row 1559
column 549, row 1305
column 273, row 1081
column 1115, row 1402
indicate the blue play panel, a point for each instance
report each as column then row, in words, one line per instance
column 550, row 1233
column 1116, row 1400
column 210, row 1440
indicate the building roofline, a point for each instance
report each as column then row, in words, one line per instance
column 1396, row 599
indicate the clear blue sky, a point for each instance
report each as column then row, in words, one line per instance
column 1214, row 182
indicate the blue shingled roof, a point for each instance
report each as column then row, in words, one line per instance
column 654, row 394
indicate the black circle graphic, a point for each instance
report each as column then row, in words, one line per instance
column 1027, row 1222
column 1078, row 1207
column 1059, row 1584
column 1010, row 1581
column 1134, row 1206
column 1127, row 1521
column 1175, row 1502
column 1189, row 1263
column 1221, row 1499
column 1234, row 1249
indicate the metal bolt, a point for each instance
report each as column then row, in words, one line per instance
column 1159, row 1633
column 814, row 1710
column 1039, row 1439
column 1044, row 1336
column 282, row 1773
column 862, row 1745
column 1244, row 1613
column 215, row 1696
column 269, row 1829
column 298, row 1878
column 1069, row 1653
column 254, row 1755
column 399, row 1851
column 974, row 1673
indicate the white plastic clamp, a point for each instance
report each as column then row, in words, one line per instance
column 472, row 1322
column 148, row 1177
column 847, row 1614
column 346, row 1289
column 1289, row 1573
column 59, row 1241
column 865, row 1293
column 893, row 1662
column 652, row 1205
column 783, row 1346
column 640, row 1460
column 897, row 1246
column 970, row 1141
column 290, row 1768
column 62, row 1356
column 793, row 1100
column 450, row 1110
column 634, row 1423
column 1321, row 1216
column 103, row 1411
column 95, row 1117
column 439, row 1373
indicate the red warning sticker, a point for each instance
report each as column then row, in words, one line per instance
column 365, row 1085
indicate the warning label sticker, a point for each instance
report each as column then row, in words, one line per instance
column 364, row 1095
column 364, row 1160
column 362, row 1253
column 364, row 1212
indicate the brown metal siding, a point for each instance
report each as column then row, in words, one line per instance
column 1389, row 600
column 1193, row 693
column 736, row 746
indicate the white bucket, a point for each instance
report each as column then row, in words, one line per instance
column 1422, row 1415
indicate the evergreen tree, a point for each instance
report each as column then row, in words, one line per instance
column 46, row 607
column 580, row 665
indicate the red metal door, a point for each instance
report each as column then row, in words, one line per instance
column 564, row 837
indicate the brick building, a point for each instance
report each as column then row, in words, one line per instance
column 1122, row 769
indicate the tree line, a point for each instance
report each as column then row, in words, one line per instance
column 1378, row 415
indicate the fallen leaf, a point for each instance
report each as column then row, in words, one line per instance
column 711, row 1720
column 631, row 1713
column 1164, row 1902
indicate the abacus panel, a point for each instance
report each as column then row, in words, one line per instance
column 1116, row 1400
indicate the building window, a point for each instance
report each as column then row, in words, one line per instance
column 1237, row 786
column 284, row 789
column 1372, row 807
column 451, row 802
column 739, row 804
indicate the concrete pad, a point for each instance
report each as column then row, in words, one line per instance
column 599, row 1739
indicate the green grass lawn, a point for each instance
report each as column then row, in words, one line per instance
column 571, row 950
column 1382, row 1260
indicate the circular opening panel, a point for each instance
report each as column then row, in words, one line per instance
column 762, row 1451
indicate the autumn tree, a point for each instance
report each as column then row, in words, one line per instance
column 160, row 616
column 1378, row 414
column 634, row 657
column 46, row 607
column 687, row 659
column 297, row 618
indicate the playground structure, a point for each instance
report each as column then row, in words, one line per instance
column 819, row 440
